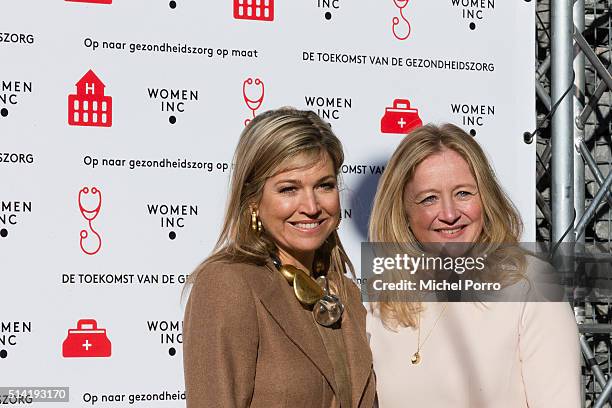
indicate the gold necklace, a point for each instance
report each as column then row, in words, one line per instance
column 416, row 357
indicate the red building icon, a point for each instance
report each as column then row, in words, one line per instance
column 89, row 106
column 261, row 10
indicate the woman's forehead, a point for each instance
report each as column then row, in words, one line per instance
column 305, row 163
column 446, row 167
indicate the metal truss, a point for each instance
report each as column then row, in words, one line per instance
column 574, row 157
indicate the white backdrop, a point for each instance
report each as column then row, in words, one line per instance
column 343, row 58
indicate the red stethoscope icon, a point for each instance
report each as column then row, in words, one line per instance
column 255, row 103
column 401, row 5
column 90, row 215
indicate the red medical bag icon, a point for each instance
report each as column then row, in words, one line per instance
column 400, row 118
column 93, row 1
column 87, row 340
column 261, row 10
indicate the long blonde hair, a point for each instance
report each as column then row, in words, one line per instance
column 266, row 144
column 502, row 225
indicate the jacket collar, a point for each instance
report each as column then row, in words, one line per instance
column 277, row 296
column 280, row 301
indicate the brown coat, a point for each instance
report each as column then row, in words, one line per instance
column 249, row 343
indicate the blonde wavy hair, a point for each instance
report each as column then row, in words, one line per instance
column 502, row 225
column 266, row 145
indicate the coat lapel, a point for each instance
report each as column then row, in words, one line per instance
column 357, row 349
column 279, row 300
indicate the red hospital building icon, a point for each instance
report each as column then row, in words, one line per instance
column 262, row 10
column 89, row 106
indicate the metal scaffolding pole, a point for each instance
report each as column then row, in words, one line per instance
column 590, row 161
column 542, row 94
column 579, row 167
column 590, row 211
column 592, row 363
column 562, row 184
column 579, row 100
column 603, row 397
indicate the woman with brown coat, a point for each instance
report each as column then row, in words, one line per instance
column 272, row 320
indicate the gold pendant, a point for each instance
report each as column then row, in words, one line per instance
column 416, row 358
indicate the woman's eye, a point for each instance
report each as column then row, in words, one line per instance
column 464, row 194
column 287, row 190
column 328, row 186
column 428, row 200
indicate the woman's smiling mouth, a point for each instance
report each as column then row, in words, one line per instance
column 308, row 225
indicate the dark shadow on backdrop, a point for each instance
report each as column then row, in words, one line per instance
column 361, row 197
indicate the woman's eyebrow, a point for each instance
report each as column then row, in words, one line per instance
column 426, row 191
column 471, row 185
column 298, row 181
column 329, row 176
column 292, row 181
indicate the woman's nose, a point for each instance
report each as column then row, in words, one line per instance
column 310, row 203
column 449, row 212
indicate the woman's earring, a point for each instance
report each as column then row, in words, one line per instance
column 255, row 222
